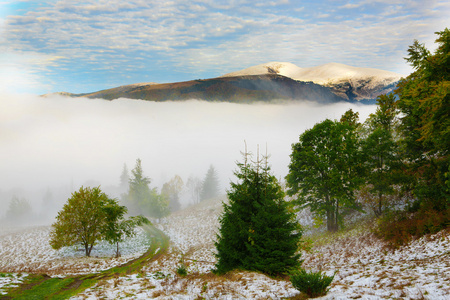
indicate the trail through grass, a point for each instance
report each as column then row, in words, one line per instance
column 41, row 286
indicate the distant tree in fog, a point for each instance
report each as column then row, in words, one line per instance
column 194, row 186
column 124, row 178
column 48, row 203
column 138, row 189
column 19, row 210
column 47, row 199
column 81, row 220
column 141, row 199
column 171, row 190
column 210, row 185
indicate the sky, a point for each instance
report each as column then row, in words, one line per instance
column 85, row 46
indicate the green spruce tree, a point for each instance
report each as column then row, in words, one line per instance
column 258, row 232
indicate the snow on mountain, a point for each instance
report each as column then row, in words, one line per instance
column 282, row 68
column 331, row 73
column 345, row 81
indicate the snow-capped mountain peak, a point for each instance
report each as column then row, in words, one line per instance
column 323, row 74
column 354, row 82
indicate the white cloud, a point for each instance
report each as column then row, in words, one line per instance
column 222, row 36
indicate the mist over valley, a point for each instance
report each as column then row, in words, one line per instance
column 59, row 143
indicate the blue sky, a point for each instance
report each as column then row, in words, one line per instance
column 82, row 46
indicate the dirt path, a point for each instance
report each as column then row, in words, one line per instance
column 41, row 286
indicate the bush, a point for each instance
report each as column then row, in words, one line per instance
column 314, row 284
column 398, row 228
column 182, row 270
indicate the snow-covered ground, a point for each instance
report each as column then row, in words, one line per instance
column 365, row 268
column 27, row 249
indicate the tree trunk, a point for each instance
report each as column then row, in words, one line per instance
column 330, row 214
column 329, row 219
column 117, row 250
column 380, row 204
column 88, row 249
column 336, row 217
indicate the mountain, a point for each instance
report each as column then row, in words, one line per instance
column 266, row 82
column 239, row 89
column 347, row 82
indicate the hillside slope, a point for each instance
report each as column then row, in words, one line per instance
column 364, row 266
column 239, row 89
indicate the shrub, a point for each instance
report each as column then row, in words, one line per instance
column 398, row 228
column 182, row 270
column 314, row 284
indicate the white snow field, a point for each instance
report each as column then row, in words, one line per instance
column 27, row 249
column 365, row 268
column 331, row 73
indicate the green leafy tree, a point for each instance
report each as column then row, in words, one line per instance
column 381, row 153
column 325, row 168
column 116, row 227
column 159, row 207
column 258, row 232
column 81, row 220
column 171, row 190
column 210, row 185
column 424, row 103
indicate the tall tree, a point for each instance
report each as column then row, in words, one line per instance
column 258, row 232
column 210, row 185
column 324, row 169
column 139, row 190
column 194, row 186
column 424, row 102
column 381, row 152
column 124, row 178
column 143, row 200
column 171, row 190
column 81, row 220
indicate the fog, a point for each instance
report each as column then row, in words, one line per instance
column 60, row 143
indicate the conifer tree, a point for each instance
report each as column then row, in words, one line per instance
column 210, row 187
column 124, row 178
column 258, row 232
column 141, row 199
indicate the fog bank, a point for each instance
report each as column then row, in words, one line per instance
column 63, row 142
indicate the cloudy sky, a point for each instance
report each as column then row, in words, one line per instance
column 82, row 46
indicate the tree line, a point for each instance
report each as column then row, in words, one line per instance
column 90, row 215
column 141, row 198
column 400, row 151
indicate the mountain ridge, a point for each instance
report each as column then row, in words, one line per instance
column 267, row 82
